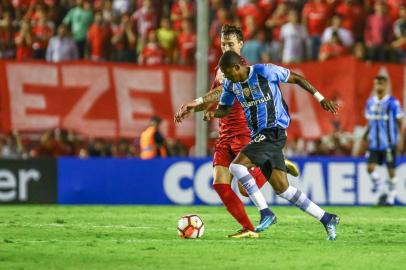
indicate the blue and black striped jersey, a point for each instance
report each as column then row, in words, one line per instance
column 260, row 97
column 382, row 115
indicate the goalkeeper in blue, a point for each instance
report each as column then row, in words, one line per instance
column 257, row 89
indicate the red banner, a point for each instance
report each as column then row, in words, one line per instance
column 97, row 100
column 116, row 100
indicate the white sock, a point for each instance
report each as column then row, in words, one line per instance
column 392, row 190
column 380, row 185
column 242, row 174
column 299, row 199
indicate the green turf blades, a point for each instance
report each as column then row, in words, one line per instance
column 140, row 237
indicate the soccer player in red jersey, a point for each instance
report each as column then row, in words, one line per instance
column 234, row 135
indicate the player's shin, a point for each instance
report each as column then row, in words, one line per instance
column 233, row 205
column 300, row 199
column 245, row 178
column 391, row 190
column 378, row 183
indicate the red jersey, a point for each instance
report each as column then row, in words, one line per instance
column 42, row 33
column 317, row 15
column 152, row 54
column 98, row 36
column 235, row 123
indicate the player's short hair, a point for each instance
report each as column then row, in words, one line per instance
column 229, row 59
column 229, row 29
column 381, row 78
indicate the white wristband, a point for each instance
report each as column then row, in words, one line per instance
column 199, row 100
column 318, row 96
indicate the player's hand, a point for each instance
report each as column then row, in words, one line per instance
column 330, row 106
column 208, row 115
column 184, row 111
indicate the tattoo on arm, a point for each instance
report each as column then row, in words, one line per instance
column 305, row 84
column 222, row 111
column 213, row 96
column 200, row 107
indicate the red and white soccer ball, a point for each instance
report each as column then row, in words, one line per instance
column 190, row 226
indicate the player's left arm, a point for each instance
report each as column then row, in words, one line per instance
column 326, row 104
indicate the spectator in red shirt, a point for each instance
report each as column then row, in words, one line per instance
column 186, row 44
column 145, row 19
column 314, row 16
column 7, row 34
column 394, row 8
column 42, row 34
column 399, row 44
column 181, row 10
column 34, row 11
column 274, row 23
column 152, row 54
column 23, row 40
column 334, row 48
column 400, row 25
column 98, row 38
column 378, row 33
column 250, row 17
column 353, row 17
column 220, row 19
column 124, row 41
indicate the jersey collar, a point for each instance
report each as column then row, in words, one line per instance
column 386, row 97
column 249, row 75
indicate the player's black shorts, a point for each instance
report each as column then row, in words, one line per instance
column 380, row 157
column 265, row 150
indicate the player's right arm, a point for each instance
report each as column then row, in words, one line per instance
column 220, row 112
column 225, row 105
column 198, row 104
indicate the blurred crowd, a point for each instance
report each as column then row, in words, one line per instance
column 64, row 143
column 151, row 32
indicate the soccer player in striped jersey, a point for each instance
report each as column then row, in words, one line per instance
column 384, row 138
column 257, row 89
column 233, row 136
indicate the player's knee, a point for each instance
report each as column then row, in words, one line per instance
column 237, row 169
column 370, row 168
column 392, row 177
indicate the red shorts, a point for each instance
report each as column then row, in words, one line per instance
column 225, row 151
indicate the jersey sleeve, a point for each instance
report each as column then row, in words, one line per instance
column 227, row 96
column 277, row 73
column 398, row 109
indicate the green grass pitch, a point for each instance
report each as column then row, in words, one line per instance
column 145, row 237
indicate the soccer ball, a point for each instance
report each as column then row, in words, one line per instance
column 190, row 226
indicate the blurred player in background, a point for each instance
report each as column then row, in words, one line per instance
column 257, row 90
column 383, row 137
column 233, row 136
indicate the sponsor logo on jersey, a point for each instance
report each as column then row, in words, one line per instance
column 248, row 104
